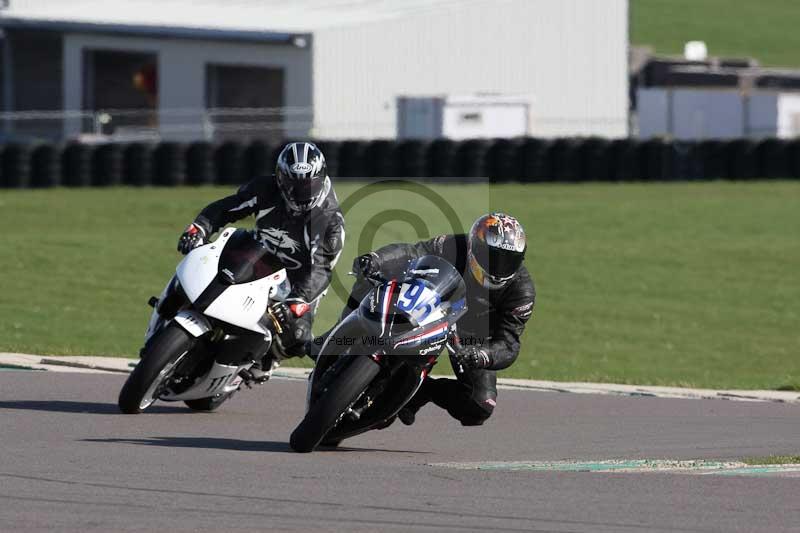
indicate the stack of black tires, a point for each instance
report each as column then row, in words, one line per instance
column 527, row 160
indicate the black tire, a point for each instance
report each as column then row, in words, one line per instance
column 339, row 396
column 208, row 404
column 158, row 361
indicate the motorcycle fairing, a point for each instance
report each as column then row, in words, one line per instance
column 199, row 268
column 244, row 305
column 424, row 335
column 194, row 323
column 216, row 292
column 155, row 317
column 379, row 308
column 219, row 380
column 407, row 379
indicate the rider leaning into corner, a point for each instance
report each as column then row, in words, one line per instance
column 298, row 217
column 500, row 299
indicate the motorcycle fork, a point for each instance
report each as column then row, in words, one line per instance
column 366, row 400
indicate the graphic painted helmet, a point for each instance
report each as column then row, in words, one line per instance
column 496, row 249
column 302, row 177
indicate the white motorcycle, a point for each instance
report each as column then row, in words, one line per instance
column 210, row 326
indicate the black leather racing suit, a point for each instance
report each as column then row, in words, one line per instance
column 309, row 245
column 494, row 321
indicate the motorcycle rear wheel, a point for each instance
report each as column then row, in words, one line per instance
column 326, row 411
column 159, row 361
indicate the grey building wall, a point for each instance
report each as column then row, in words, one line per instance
column 182, row 73
column 36, row 64
column 31, row 81
column 569, row 56
column 696, row 114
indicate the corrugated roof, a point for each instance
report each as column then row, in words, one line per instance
column 298, row 16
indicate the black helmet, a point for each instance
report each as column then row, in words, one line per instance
column 496, row 249
column 302, row 176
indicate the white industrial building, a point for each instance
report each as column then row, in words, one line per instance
column 336, row 68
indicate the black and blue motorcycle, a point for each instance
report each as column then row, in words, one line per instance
column 374, row 361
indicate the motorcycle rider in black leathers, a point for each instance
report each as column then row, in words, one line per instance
column 298, row 216
column 500, row 300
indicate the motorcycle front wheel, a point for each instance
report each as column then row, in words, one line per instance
column 323, row 415
column 160, row 359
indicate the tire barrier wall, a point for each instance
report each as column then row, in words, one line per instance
column 527, row 160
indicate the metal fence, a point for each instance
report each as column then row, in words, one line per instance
column 150, row 125
column 235, row 124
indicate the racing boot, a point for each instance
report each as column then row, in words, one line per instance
column 408, row 413
column 262, row 370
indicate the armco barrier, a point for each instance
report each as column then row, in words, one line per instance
column 525, row 160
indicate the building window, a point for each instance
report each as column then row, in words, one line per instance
column 245, row 101
column 126, row 85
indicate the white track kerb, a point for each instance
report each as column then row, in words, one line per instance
column 633, row 466
column 120, row 364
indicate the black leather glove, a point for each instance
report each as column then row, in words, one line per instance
column 470, row 357
column 367, row 266
column 284, row 314
column 193, row 236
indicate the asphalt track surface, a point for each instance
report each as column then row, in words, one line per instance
column 70, row 462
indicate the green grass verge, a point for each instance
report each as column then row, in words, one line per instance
column 766, row 30
column 773, row 460
column 670, row 284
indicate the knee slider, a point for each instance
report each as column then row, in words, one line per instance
column 302, row 332
column 477, row 412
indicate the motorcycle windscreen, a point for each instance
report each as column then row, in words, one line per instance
column 432, row 290
column 431, row 295
column 246, row 259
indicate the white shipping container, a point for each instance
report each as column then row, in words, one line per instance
column 462, row 117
